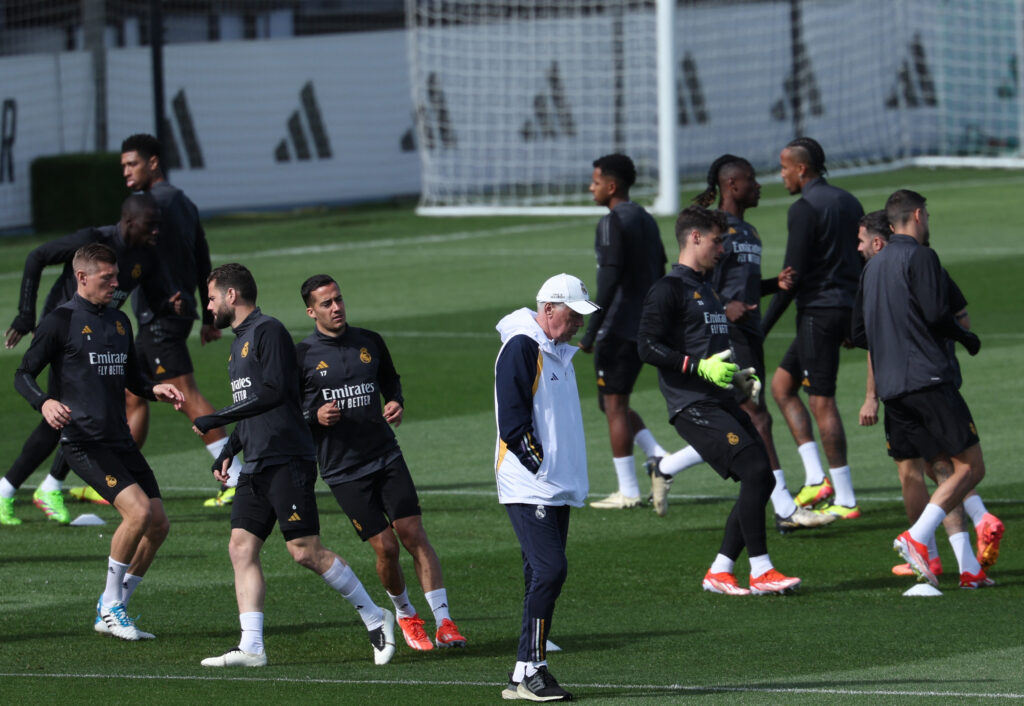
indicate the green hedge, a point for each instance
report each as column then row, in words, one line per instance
column 72, row 191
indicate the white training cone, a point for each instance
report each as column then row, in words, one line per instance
column 87, row 519
column 922, row 589
column 552, row 647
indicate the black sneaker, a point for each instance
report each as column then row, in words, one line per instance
column 509, row 693
column 542, row 687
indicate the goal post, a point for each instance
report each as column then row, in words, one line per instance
column 514, row 99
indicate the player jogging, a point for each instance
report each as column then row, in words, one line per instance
column 345, row 372
column 88, row 346
column 630, row 258
column 822, row 250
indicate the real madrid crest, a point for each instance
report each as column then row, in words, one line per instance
column 364, row 355
column 245, row 349
column 137, row 270
column 119, row 327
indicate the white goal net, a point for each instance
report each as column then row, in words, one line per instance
column 516, row 98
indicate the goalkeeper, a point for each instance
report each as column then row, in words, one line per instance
column 684, row 332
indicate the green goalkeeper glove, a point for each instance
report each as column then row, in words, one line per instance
column 718, row 370
column 747, row 381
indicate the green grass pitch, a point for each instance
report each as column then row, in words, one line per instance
column 633, row 623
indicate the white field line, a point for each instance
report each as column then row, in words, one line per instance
column 698, row 688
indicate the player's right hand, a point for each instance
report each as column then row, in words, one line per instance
column 971, row 342
column 328, row 415
column 12, row 337
column 718, row 370
column 736, row 310
column 220, row 469
column 56, row 414
column 869, row 412
column 208, row 333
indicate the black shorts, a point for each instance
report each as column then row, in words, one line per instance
column 374, row 501
column 718, row 430
column 617, row 364
column 813, row 357
column 928, row 423
column 747, row 352
column 109, row 470
column 283, row 493
column 162, row 350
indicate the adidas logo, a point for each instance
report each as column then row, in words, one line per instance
column 160, row 370
column 321, row 365
column 433, row 121
column 171, row 154
column 297, row 131
column 801, row 95
column 295, row 517
column 914, row 85
column 554, row 377
column 696, row 295
column 86, row 329
column 690, row 88
column 552, row 114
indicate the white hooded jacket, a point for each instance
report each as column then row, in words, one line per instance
column 557, row 419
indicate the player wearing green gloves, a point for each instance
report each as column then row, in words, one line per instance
column 682, row 325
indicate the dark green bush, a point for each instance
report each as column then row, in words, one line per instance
column 72, row 191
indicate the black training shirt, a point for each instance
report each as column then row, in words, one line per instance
column 630, row 258
column 737, row 277
column 139, row 266
column 822, row 248
column 682, row 321
column 90, row 351
column 353, row 371
column 185, row 253
column 902, row 315
column 265, row 390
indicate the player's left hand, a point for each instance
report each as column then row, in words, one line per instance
column 750, row 383
column 208, row 334
column 737, row 310
column 393, row 413
column 166, row 392
column 12, row 337
column 787, row 278
column 869, row 412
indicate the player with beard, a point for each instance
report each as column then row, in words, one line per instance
column 903, row 317
column 277, row 482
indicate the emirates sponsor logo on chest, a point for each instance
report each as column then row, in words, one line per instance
column 108, row 363
column 350, row 396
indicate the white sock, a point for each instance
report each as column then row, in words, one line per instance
column 215, row 447
column 342, row 579
column 128, row 586
column 252, row 633
column 625, row 469
column 680, row 461
column 50, row 483
column 927, row 523
column 843, row 485
column 781, row 499
column 759, row 565
column 933, row 548
column 115, row 577
column 646, row 441
column 6, row 489
column 519, row 673
column 972, row 506
column 403, row 607
column 438, row 601
column 965, row 559
column 722, row 564
column 532, row 667
column 814, row 474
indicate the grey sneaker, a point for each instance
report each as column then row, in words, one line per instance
column 660, row 484
column 510, row 693
column 542, row 687
column 803, row 518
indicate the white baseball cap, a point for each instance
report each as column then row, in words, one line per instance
column 568, row 290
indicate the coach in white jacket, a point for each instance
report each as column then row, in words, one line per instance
column 540, row 460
